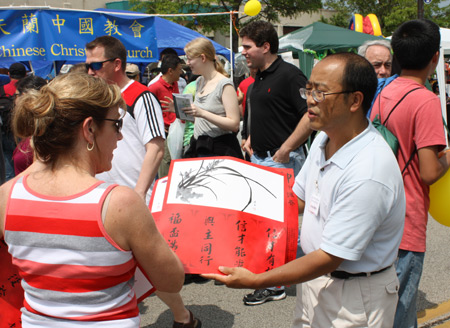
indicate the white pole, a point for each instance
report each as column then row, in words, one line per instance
column 231, row 46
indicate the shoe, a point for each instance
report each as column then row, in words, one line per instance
column 193, row 323
column 194, row 278
column 261, row 296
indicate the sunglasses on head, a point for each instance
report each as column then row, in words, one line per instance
column 95, row 66
column 117, row 123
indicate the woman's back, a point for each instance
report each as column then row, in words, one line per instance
column 72, row 269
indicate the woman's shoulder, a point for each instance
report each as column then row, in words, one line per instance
column 223, row 82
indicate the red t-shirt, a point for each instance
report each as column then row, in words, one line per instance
column 244, row 87
column 161, row 89
column 10, row 88
column 417, row 123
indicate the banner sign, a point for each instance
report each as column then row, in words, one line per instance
column 44, row 34
column 224, row 211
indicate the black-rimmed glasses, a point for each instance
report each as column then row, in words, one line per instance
column 96, row 66
column 117, row 123
column 318, row 95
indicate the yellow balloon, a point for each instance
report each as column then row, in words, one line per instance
column 252, row 7
column 440, row 200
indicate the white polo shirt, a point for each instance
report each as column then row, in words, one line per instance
column 354, row 202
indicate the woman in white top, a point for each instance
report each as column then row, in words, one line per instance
column 216, row 108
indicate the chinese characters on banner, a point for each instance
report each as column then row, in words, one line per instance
column 224, row 211
column 57, row 34
column 11, row 292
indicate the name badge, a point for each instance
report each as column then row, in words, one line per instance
column 314, row 203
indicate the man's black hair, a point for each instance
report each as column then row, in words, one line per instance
column 167, row 51
column 415, row 43
column 169, row 61
column 261, row 32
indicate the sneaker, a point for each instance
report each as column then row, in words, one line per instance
column 260, row 296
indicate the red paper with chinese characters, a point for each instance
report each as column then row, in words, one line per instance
column 205, row 236
column 11, row 292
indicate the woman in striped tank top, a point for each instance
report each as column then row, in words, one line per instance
column 76, row 240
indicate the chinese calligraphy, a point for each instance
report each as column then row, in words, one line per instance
column 30, row 24
column 58, row 22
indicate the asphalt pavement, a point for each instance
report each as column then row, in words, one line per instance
column 222, row 307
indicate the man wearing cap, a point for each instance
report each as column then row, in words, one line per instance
column 133, row 72
column 16, row 72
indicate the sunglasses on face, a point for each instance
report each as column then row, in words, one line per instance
column 117, row 123
column 96, row 66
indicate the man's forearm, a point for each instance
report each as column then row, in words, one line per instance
column 153, row 156
column 299, row 135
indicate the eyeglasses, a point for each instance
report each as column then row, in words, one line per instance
column 318, row 95
column 117, row 123
column 96, row 66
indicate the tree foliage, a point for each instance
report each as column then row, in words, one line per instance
column 390, row 13
column 271, row 11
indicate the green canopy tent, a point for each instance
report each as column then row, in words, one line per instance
column 319, row 39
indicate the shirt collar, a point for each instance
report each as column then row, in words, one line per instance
column 272, row 68
column 347, row 152
column 164, row 83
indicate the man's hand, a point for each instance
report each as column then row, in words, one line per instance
column 247, row 147
column 233, row 277
column 167, row 105
column 282, row 155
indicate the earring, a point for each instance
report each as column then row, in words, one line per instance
column 90, row 148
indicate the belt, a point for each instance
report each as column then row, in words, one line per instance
column 347, row 275
column 267, row 153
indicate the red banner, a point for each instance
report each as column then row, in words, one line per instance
column 224, row 211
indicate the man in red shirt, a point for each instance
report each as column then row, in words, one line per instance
column 163, row 88
column 16, row 72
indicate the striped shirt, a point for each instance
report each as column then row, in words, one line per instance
column 74, row 274
column 142, row 122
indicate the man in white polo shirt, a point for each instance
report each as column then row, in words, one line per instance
column 351, row 192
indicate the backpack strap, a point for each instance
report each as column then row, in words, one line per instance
column 384, row 123
column 409, row 160
column 389, row 115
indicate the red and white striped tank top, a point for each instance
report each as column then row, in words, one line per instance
column 74, row 274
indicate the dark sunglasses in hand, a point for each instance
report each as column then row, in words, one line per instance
column 117, row 123
column 96, row 66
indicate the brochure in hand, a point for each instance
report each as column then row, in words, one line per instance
column 181, row 101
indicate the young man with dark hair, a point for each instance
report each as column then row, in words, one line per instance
column 181, row 81
column 17, row 71
column 163, row 89
column 417, row 123
column 278, row 126
column 351, row 193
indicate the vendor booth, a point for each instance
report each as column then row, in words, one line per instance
column 318, row 39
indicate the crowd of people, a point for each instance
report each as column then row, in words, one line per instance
column 81, row 154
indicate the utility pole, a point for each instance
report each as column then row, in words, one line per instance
column 420, row 9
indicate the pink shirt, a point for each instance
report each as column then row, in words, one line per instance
column 417, row 123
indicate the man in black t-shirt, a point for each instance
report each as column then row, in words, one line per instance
column 278, row 124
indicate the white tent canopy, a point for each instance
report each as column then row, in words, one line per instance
column 440, row 69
